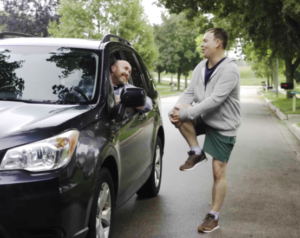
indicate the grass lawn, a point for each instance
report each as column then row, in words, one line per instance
column 247, row 76
column 164, row 93
column 284, row 104
column 165, row 89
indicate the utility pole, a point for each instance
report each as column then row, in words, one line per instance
column 277, row 77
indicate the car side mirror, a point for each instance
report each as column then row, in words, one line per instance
column 133, row 97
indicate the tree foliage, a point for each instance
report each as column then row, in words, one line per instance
column 267, row 24
column 10, row 84
column 95, row 18
column 251, row 17
column 28, row 16
column 175, row 39
column 263, row 65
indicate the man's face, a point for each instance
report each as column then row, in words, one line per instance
column 120, row 72
column 209, row 45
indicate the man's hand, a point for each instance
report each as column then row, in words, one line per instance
column 117, row 99
column 175, row 117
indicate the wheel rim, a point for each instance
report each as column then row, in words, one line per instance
column 103, row 212
column 157, row 166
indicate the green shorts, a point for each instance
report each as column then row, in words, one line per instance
column 215, row 144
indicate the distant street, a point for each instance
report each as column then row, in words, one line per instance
column 263, row 184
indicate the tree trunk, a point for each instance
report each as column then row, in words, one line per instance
column 159, row 77
column 274, row 74
column 178, row 79
column 290, row 69
column 185, row 82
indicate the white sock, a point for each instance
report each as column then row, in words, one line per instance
column 215, row 213
column 197, row 149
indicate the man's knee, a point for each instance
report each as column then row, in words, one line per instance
column 219, row 169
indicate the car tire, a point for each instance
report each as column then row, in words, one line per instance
column 103, row 207
column 152, row 186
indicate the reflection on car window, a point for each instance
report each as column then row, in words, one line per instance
column 52, row 74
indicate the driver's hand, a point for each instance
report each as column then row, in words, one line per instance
column 117, row 99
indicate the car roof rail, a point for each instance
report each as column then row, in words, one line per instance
column 107, row 38
column 7, row 33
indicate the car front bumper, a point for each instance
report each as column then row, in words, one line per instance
column 52, row 205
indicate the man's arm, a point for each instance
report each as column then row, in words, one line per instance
column 222, row 89
column 187, row 97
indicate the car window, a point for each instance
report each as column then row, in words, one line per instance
column 136, row 76
column 113, row 57
column 147, row 77
column 48, row 74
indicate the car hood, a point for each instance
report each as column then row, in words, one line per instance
column 21, row 123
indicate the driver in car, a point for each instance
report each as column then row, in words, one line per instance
column 120, row 72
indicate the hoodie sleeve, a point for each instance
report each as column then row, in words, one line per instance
column 187, row 97
column 222, row 89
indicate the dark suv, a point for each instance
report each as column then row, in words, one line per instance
column 69, row 154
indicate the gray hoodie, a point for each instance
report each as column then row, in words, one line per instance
column 219, row 103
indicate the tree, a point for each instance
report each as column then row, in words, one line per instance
column 95, row 18
column 28, row 16
column 177, row 46
column 268, row 24
column 263, row 66
column 10, row 84
column 297, row 75
column 252, row 14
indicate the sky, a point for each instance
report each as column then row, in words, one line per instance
column 152, row 11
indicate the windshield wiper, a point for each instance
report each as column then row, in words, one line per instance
column 22, row 100
column 44, row 101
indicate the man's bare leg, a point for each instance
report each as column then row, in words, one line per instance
column 220, row 184
column 187, row 129
column 196, row 155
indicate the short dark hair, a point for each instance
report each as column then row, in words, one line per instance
column 113, row 63
column 220, row 34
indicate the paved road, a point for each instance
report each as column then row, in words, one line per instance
column 263, row 198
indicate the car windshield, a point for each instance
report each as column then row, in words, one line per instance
column 48, row 74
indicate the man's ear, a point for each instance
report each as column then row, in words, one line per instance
column 218, row 43
column 113, row 68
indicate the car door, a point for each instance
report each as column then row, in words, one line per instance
column 126, row 131
column 145, row 120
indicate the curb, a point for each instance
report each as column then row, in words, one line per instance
column 292, row 126
column 280, row 114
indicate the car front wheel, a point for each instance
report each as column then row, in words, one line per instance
column 101, row 219
column 152, row 186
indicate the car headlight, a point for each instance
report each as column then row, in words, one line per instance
column 48, row 154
